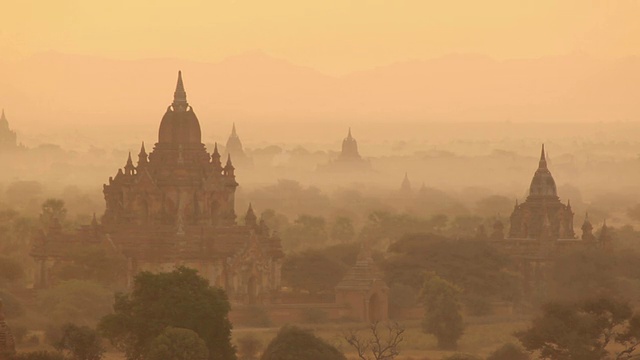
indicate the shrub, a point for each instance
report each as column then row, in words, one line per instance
column 293, row 343
column 177, row 344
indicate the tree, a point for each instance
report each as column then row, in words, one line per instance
column 81, row 342
column 589, row 330
column 583, row 271
column 293, row 343
column 634, row 212
column 509, row 352
column 300, row 271
column 177, row 344
column 442, row 311
column 249, row 347
column 379, row 344
column 481, row 270
column 181, row 299
column 342, row 229
column 306, row 230
column 83, row 301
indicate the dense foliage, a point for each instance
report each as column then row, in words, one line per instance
column 81, row 342
column 179, row 299
column 177, row 344
column 442, row 318
column 293, row 343
column 483, row 272
column 589, row 330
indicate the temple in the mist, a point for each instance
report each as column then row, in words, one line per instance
column 176, row 206
column 235, row 149
column 542, row 227
column 349, row 158
column 8, row 137
column 542, row 216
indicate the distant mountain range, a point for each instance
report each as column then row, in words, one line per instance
column 53, row 89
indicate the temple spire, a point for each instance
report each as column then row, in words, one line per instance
column 349, row 135
column 180, row 96
column 233, row 130
column 543, row 159
column 142, row 156
column 250, row 218
column 3, row 120
column 129, row 168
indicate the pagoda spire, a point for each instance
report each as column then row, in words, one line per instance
column 543, row 159
column 349, row 135
column 129, row 168
column 180, row 96
column 3, row 120
column 233, row 130
column 250, row 218
column 142, row 156
column 228, row 168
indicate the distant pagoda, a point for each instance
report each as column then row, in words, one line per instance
column 8, row 137
column 349, row 159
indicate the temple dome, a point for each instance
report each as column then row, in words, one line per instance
column 542, row 184
column 179, row 124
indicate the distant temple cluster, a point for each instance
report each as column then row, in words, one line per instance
column 176, row 206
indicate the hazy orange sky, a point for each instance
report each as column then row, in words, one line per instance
column 334, row 36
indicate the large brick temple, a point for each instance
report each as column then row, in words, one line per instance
column 174, row 207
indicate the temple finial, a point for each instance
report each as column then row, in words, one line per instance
column 233, row 130
column 543, row 159
column 349, row 135
column 180, row 96
column 143, row 157
column 229, row 161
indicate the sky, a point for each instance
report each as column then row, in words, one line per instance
column 333, row 36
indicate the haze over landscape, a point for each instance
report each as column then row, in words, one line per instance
column 285, row 179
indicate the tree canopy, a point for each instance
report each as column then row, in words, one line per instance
column 482, row 271
column 442, row 311
column 177, row 344
column 585, row 331
column 293, row 343
column 181, row 299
